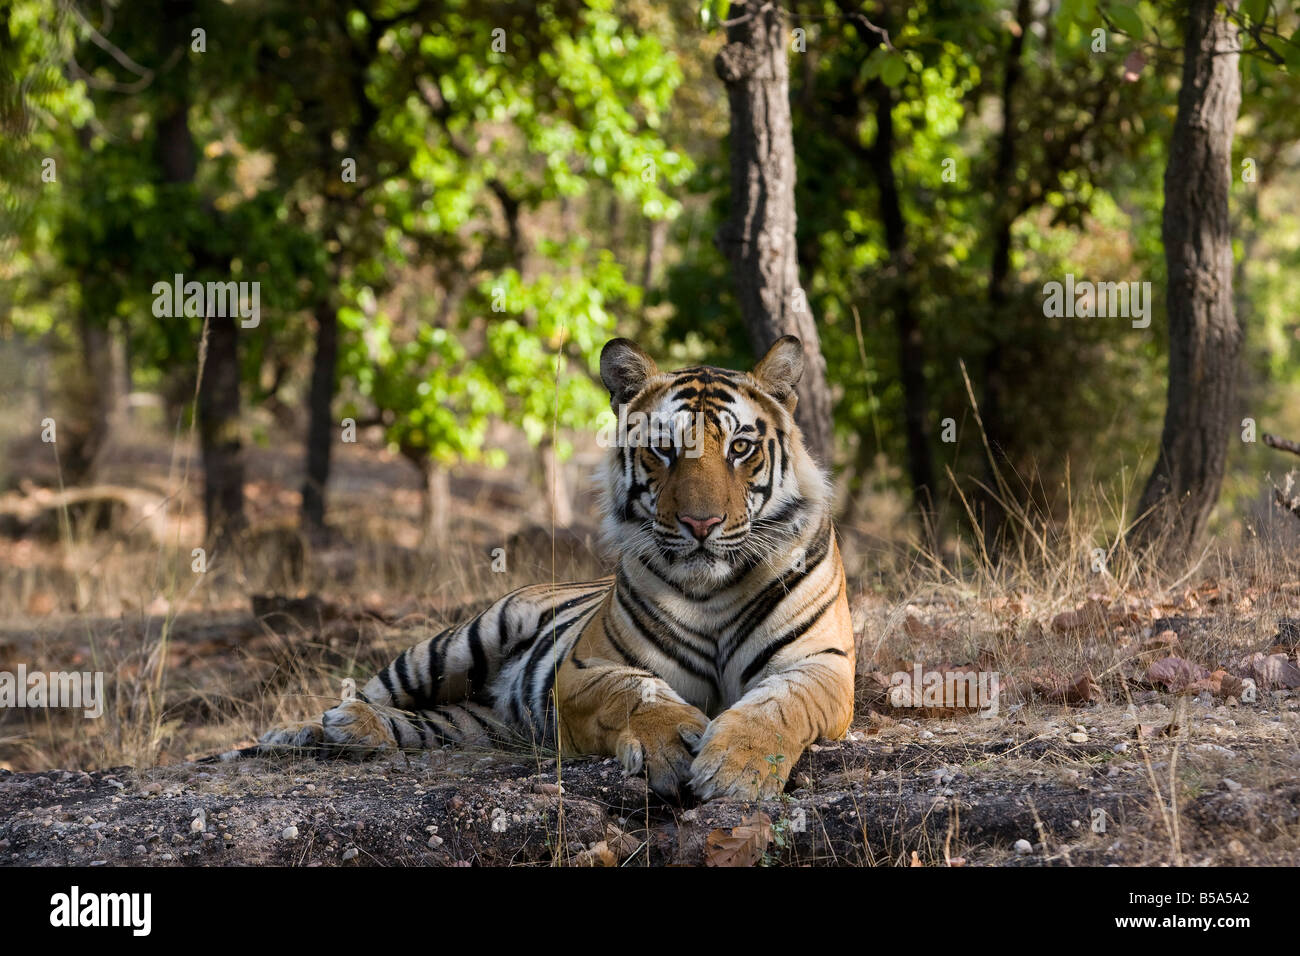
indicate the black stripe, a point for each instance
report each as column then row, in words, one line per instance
column 555, row 632
column 622, row 651
column 404, row 676
column 760, row 660
column 503, row 624
column 435, row 665
column 478, row 671
column 767, row 600
column 388, row 683
column 670, row 649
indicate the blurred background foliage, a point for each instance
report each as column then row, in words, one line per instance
column 479, row 193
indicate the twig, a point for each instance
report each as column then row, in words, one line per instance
column 1283, row 444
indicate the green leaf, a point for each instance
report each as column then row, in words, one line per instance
column 893, row 69
column 1257, row 10
column 1127, row 19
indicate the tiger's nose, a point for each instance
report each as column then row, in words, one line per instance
column 700, row 527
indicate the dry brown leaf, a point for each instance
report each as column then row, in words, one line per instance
column 622, row 844
column 1162, row 643
column 1091, row 616
column 599, row 854
column 740, row 846
column 1175, row 673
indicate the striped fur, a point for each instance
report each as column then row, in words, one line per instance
column 717, row 652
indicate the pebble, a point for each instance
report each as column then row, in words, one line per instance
column 1022, row 847
column 290, row 833
column 351, row 853
column 1120, row 748
column 1231, row 784
column 435, row 841
column 1077, row 738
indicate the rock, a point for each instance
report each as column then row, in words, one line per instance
column 1023, row 847
column 1077, row 738
column 1120, row 748
column 351, row 853
column 289, row 833
column 1231, row 784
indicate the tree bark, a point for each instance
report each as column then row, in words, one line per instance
column 435, row 508
column 320, row 427
column 759, row 237
column 1204, row 335
column 220, row 435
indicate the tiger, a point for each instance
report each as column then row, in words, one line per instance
column 719, row 649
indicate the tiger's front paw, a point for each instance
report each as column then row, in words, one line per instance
column 661, row 740
column 742, row 758
column 357, row 728
column 300, row 735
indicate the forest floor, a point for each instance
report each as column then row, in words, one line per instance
column 1137, row 720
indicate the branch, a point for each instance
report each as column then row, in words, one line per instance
column 1282, row 444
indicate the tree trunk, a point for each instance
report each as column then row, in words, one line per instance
column 102, row 359
column 1005, row 195
column 911, row 346
column 1204, row 334
column 656, row 242
column 557, row 489
column 218, row 406
column 220, row 435
column 759, row 237
column 435, row 510
column 320, row 428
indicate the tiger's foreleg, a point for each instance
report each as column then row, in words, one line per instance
column 749, row 749
column 629, row 713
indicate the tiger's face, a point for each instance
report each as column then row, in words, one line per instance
column 709, row 474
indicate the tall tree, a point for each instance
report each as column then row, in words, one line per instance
column 1204, row 335
column 759, row 237
column 220, row 431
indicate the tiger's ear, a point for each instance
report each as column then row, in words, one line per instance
column 625, row 368
column 778, row 372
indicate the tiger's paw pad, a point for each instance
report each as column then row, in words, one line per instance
column 661, row 741
column 740, row 760
column 357, row 727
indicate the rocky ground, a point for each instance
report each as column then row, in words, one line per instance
column 1067, row 794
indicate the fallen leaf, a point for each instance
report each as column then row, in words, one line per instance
column 1091, row 617
column 599, row 854
column 1175, row 673
column 740, row 846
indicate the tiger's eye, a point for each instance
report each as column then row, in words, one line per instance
column 740, row 446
